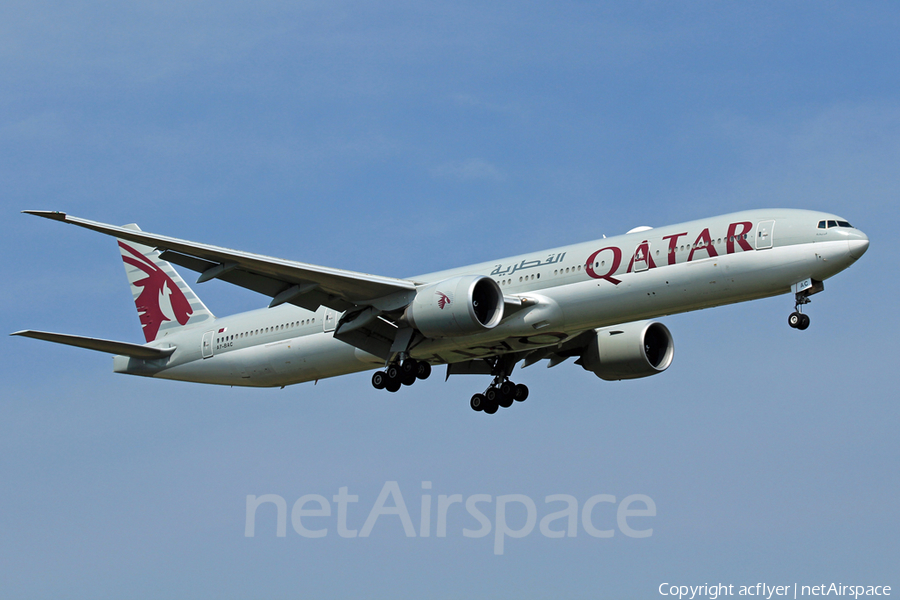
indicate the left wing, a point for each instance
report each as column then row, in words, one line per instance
column 100, row 345
column 285, row 281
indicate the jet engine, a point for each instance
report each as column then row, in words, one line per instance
column 629, row 351
column 457, row 306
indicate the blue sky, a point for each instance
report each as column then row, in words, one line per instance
column 400, row 138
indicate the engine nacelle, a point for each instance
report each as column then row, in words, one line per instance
column 629, row 351
column 462, row 305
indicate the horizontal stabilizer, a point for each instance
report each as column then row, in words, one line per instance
column 122, row 348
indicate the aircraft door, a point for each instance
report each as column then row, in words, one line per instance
column 765, row 234
column 330, row 320
column 642, row 257
column 206, row 346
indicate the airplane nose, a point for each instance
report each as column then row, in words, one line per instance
column 858, row 245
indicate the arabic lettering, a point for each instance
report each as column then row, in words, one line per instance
column 527, row 264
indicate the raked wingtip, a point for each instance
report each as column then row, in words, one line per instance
column 47, row 214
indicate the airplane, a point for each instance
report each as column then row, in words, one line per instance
column 595, row 301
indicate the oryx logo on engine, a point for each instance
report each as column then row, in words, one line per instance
column 443, row 300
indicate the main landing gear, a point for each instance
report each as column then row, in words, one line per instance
column 797, row 319
column 502, row 392
column 400, row 374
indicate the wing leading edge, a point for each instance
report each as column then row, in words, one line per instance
column 285, row 281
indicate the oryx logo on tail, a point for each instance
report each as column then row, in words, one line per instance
column 159, row 299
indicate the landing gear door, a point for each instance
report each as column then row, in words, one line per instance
column 206, row 346
column 765, row 234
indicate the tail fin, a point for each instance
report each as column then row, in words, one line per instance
column 163, row 300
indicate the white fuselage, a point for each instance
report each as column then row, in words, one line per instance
column 645, row 274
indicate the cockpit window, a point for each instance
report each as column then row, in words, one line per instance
column 830, row 224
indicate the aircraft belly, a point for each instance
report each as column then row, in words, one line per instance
column 286, row 362
column 322, row 356
column 225, row 368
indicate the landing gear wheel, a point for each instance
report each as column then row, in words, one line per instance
column 394, row 378
column 506, row 393
column 491, row 395
column 423, row 370
column 804, row 322
column 379, row 380
column 491, row 407
column 477, row 402
column 795, row 319
column 521, row 392
column 409, row 367
column 408, row 378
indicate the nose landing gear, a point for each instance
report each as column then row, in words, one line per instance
column 797, row 319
